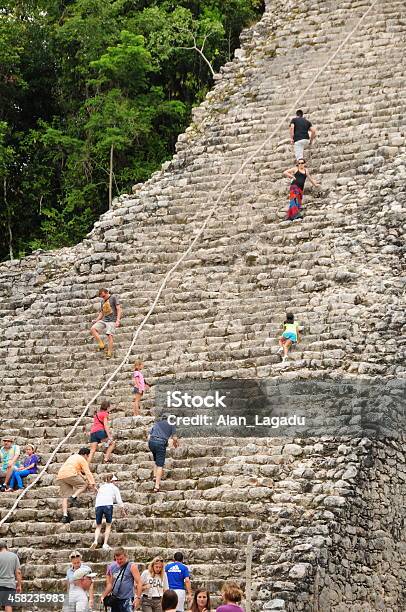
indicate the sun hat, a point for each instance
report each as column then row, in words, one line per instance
column 83, row 572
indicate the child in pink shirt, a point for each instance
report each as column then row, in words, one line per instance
column 139, row 386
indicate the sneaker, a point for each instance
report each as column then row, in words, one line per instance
column 109, row 355
column 74, row 502
column 100, row 347
column 3, row 487
column 66, row 519
column 106, row 547
column 284, row 358
column 93, row 546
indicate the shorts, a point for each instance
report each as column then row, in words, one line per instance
column 107, row 327
column 136, row 390
column 181, row 593
column 151, row 604
column 68, row 486
column 106, row 511
column 4, row 593
column 98, row 436
column 158, row 450
column 122, row 605
column 289, row 336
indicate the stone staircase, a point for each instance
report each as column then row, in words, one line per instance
column 326, row 515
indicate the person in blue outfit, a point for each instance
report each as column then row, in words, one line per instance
column 179, row 580
column 159, row 436
column 290, row 336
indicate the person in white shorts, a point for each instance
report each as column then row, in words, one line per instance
column 302, row 133
column 107, row 321
column 179, row 580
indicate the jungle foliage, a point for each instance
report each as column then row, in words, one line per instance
column 82, row 78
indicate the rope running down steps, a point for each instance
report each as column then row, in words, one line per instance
column 213, row 209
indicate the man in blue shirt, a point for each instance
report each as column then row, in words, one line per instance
column 179, row 580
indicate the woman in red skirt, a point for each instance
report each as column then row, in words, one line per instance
column 298, row 176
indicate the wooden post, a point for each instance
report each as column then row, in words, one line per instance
column 248, row 575
column 111, row 177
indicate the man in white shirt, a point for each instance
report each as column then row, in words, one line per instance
column 108, row 494
column 78, row 598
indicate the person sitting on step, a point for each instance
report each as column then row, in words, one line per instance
column 100, row 432
column 139, row 385
column 29, row 466
column 9, row 456
column 298, row 177
column 108, row 494
column 289, row 336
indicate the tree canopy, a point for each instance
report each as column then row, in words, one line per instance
column 80, row 79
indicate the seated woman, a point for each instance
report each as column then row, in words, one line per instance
column 29, row 466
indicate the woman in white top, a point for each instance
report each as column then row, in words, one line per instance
column 108, row 494
column 154, row 583
column 75, row 563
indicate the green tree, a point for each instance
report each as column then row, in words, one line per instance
column 6, row 160
column 84, row 83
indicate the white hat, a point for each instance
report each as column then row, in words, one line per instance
column 83, row 572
